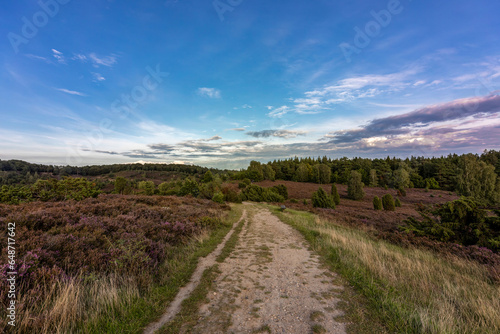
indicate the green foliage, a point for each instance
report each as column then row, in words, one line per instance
column 388, row 202
column 230, row 195
column 321, row 199
column 189, row 186
column 121, row 185
column 256, row 193
column 335, row 194
column 460, row 221
column 477, row 179
column 373, row 178
column 431, row 183
column 247, row 181
column 242, row 185
column 218, row 197
column 169, row 188
column 268, row 173
column 255, row 171
column 377, row 203
column 147, row 187
column 322, row 174
column 281, row 190
column 355, row 187
column 208, row 190
column 208, row 177
column 397, row 203
column 402, row 192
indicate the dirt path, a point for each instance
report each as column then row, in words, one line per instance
column 271, row 283
column 185, row 291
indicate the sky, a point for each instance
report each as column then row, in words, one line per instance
column 220, row 83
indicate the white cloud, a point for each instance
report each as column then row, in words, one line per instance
column 72, row 92
column 212, row 93
column 104, row 61
column 98, row 77
column 80, row 57
column 58, row 56
column 279, row 112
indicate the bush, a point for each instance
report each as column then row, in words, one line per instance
column 377, row 203
column 335, row 194
column 397, row 203
column 388, row 202
column 293, row 200
column 355, row 187
column 321, row 199
column 461, row 221
column 281, row 190
column 147, row 187
column 230, row 195
column 256, row 193
column 218, row 197
column 402, row 192
column 242, row 185
column 189, row 186
column 247, row 181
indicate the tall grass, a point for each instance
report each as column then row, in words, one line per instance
column 412, row 290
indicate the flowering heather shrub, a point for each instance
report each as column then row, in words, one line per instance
column 111, row 234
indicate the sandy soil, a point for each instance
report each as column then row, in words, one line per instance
column 271, row 283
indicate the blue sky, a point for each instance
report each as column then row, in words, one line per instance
column 220, row 83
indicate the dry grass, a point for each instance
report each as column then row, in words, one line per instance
column 415, row 290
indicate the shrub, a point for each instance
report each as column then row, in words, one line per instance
column 242, row 185
column 208, row 177
column 281, row 190
column 397, row 203
column 388, row 202
column 247, row 181
column 377, row 203
column 355, row 186
column 189, row 186
column 121, row 185
column 256, row 193
column 147, row 187
column 305, row 201
column 321, row 199
column 402, row 192
column 230, row 195
column 218, row 197
column 335, row 194
column 293, row 200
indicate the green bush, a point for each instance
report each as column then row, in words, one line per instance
column 147, row 187
column 281, row 190
column 189, row 187
column 388, row 202
column 218, row 197
column 230, row 195
column 377, row 203
column 355, row 186
column 256, row 193
column 335, row 194
column 242, row 185
column 397, row 203
column 293, row 200
column 461, row 221
column 321, row 199
column 247, row 181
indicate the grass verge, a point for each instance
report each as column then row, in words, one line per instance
column 131, row 313
column 409, row 290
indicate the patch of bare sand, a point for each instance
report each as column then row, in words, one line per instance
column 271, row 283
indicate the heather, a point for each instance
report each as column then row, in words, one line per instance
column 77, row 245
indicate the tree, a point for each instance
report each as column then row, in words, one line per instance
column 397, row 203
column 335, row 194
column 268, row 173
column 148, row 187
column 373, row 178
column 321, row 199
column 120, row 185
column 401, row 177
column 302, row 173
column 254, row 171
column 189, row 186
column 377, row 203
column 477, row 179
column 322, row 173
column 208, row 177
column 355, row 187
column 388, row 202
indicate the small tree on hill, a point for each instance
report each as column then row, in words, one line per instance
column 397, row 203
column 377, row 203
column 120, row 185
column 355, row 186
column 388, row 202
column 335, row 194
column 321, row 199
column 208, row 177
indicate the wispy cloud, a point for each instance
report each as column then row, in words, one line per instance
column 58, row 56
column 102, row 60
column 238, row 129
column 72, row 92
column 212, row 93
column 276, row 133
column 279, row 112
column 98, row 77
